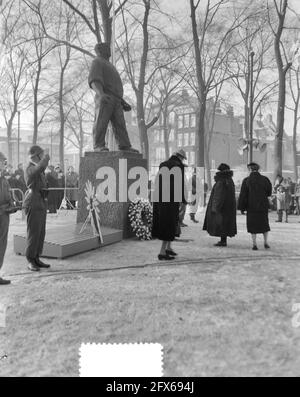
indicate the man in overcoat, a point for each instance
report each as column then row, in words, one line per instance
column 35, row 205
column 5, row 203
column 254, row 198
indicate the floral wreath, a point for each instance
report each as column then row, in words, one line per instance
column 140, row 214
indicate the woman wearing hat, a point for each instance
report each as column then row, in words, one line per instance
column 5, row 203
column 220, row 218
column 166, row 212
column 254, row 198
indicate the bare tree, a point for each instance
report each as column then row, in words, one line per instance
column 213, row 41
column 142, row 62
column 40, row 48
column 282, row 67
column 257, row 39
column 13, row 83
column 78, row 121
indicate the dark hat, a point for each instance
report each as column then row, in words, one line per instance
column 2, row 157
column 180, row 153
column 102, row 47
column 253, row 166
column 35, row 150
column 223, row 167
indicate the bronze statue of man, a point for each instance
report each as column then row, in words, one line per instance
column 105, row 80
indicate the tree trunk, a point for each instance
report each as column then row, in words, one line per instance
column 142, row 125
column 201, row 134
column 35, row 105
column 207, row 167
column 295, row 136
column 62, row 120
column 278, row 163
column 281, row 13
column 166, row 131
column 9, row 142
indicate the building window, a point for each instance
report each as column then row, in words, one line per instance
column 192, row 139
column 192, row 158
column 172, row 118
column 180, row 121
column 160, row 154
column 171, row 135
column 186, row 139
column 180, row 138
column 213, row 164
column 186, row 120
column 193, row 120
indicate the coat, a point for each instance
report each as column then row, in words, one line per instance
column 36, row 195
column 254, row 198
column 166, row 214
column 283, row 197
column 72, row 181
column 5, row 195
column 220, row 218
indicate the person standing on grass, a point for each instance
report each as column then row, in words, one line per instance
column 196, row 193
column 220, row 218
column 254, row 198
column 35, row 205
column 169, row 193
column 283, row 198
column 5, row 203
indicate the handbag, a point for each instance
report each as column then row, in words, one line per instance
column 125, row 105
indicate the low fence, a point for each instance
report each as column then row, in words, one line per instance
column 18, row 196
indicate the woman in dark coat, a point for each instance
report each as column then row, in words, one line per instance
column 220, row 218
column 166, row 214
column 254, row 198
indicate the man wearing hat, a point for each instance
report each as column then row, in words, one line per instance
column 5, row 203
column 254, row 198
column 35, row 204
column 105, row 80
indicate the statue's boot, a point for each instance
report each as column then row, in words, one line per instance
column 101, row 149
column 128, row 149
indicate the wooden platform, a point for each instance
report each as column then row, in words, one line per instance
column 64, row 241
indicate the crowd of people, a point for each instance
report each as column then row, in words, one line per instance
column 59, row 185
column 39, row 181
column 256, row 199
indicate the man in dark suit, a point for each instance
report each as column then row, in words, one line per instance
column 35, row 205
column 5, row 203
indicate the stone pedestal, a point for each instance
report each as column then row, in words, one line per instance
column 113, row 214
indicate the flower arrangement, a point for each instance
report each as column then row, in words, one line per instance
column 94, row 211
column 140, row 214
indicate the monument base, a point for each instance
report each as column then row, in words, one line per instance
column 64, row 241
column 113, row 214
